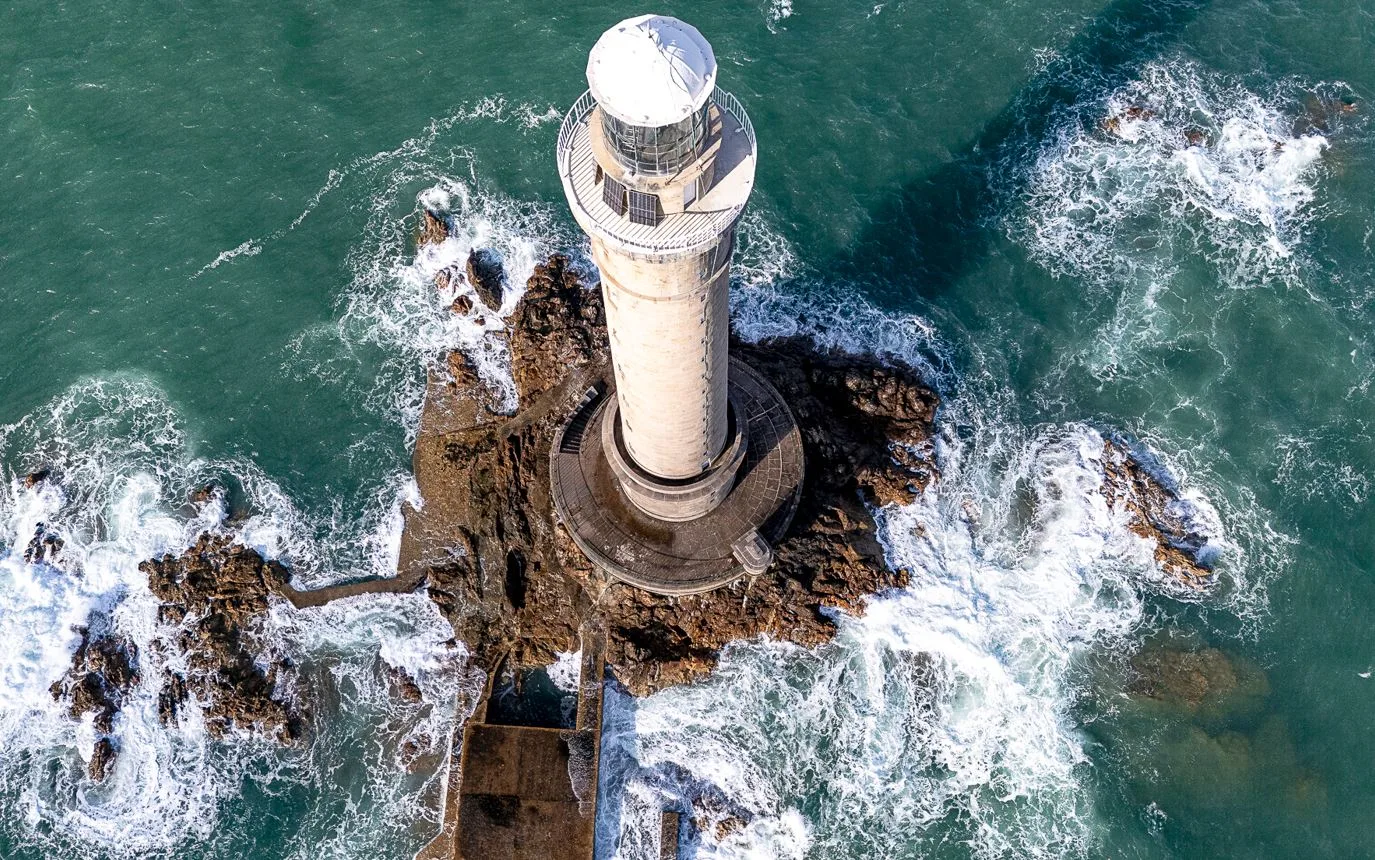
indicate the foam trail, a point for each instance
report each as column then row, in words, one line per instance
column 774, row 296
column 424, row 146
column 393, row 307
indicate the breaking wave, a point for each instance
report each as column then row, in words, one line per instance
column 394, row 304
column 947, row 711
column 121, row 488
column 1169, row 199
column 1181, row 160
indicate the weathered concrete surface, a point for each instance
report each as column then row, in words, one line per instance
column 689, row 557
column 516, row 799
column 526, row 792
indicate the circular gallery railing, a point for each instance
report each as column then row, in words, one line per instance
column 677, row 232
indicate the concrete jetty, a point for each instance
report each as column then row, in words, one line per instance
column 526, row 792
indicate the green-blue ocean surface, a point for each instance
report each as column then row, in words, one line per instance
column 1142, row 219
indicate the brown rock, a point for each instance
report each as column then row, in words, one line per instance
column 102, row 674
column 1155, row 513
column 403, row 686
column 206, row 493
column 486, row 276
column 216, row 592
column 433, row 229
column 33, row 479
column 462, row 305
column 102, row 760
column 171, row 698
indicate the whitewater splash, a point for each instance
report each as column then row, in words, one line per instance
column 1184, row 160
column 121, row 474
column 1167, row 201
column 950, row 702
column 393, row 302
column 947, row 713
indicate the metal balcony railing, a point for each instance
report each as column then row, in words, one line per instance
column 674, row 232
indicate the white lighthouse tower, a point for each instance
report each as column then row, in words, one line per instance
column 658, row 163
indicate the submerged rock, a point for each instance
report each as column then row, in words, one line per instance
column 1197, row 680
column 511, row 582
column 1182, row 677
column 215, row 594
column 1156, row 512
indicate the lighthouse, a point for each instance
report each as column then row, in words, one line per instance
column 682, row 475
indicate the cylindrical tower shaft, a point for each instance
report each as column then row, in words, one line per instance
column 668, row 321
column 658, row 164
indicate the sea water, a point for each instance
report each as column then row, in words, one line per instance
column 1149, row 222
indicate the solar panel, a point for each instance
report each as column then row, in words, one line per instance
column 613, row 194
column 644, row 208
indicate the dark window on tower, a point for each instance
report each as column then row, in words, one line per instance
column 613, row 194
column 597, row 177
column 644, row 208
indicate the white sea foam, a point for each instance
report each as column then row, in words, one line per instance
column 776, row 12
column 1168, row 198
column 774, row 295
column 394, row 303
column 121, row 470
column 566, row 671
column 1181, row 156
column 947, row 711
column 950, row 701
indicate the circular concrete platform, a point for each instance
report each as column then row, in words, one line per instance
column 677, row 558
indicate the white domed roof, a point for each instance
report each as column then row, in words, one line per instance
column 652, row 70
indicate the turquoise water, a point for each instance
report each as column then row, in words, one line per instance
column 206, row 271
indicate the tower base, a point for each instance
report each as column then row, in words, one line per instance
column 694, row 555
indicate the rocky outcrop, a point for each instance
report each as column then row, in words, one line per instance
column 512, row 583
column 102, row 759
column 213, row 596
column 486, row 277
column 1156, row 512
column 854, row 415
column 433, row 228
column 104, row 671
column 45, row 547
